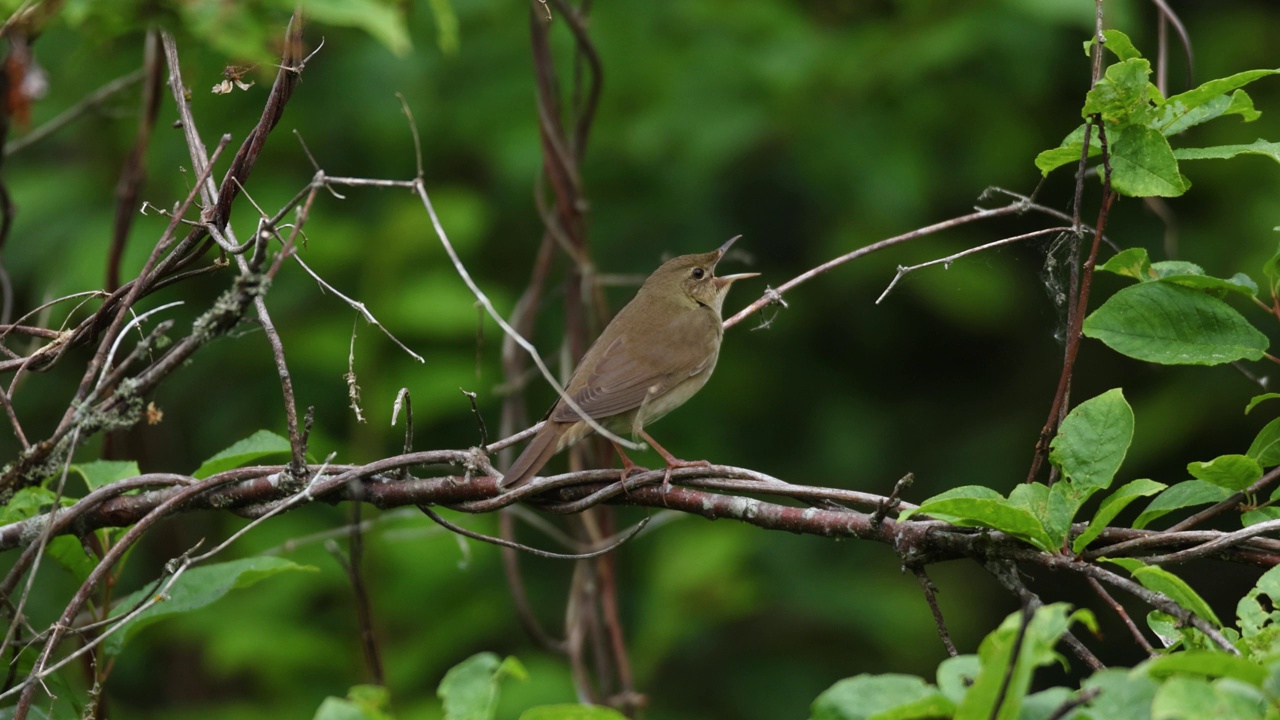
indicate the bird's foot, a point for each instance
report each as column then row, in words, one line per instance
column 674, row 463
column 628, row 467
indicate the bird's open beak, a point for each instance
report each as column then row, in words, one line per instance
column 725, row 247
column 727, row 280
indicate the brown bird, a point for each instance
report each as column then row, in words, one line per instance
column 653, row 356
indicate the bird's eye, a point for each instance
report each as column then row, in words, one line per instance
column 698, row 273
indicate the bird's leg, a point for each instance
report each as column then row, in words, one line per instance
column 627, row 465
column 672, row 461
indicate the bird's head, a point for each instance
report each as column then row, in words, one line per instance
column 694, row 276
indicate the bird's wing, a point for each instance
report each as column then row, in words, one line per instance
column 627, row 370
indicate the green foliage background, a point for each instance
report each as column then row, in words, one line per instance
column 812, row 128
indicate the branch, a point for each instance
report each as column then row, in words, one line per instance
column 946, row 261
column 1020, row 205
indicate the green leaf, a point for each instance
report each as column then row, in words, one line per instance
column 363, row 702
column 334, row 708
column 1204, row 662
column 447, row 36
column 26, row 503
column 1043, row 705
column 1032, row 497
column 1265, row 447
column 382, row 19
column 1165, row 268
column 65, row 549
column 866, row 696
column 1271, row 686
column 1124, row 695
column 1224, row 152
column 1052, row 159
column 1259, row 622
column 1238, row 103
column 104, row 472
column 1064, row 501
column 1271, row 269
column 1143, row 164
column 1259, row 515
column 236, row 30
column 60, row 711
column 470, row 689
column 1188, row 493
column 1167, row 628
column 1258, row 399
column 996, row 514
column 1006, row 668
column 956, row 675
column 1122, row 94
column 71, row 555
column 196, row 588
column 1177, row 113
column 980, row 492
column 1111, row 507
column 257, row 446
column 1130, row 262
column 1254, row 615
column 1239, row 283
column 1053, row 507
column 1183, row 697
column 1241, row 104
column 1134, row 263
column 1092, row 441
column 1233, row 472
column 935, row 705
column 1162, row 581
column 571, row 712
column 1068, row 151
column 1166, row 323
column 1115, row 41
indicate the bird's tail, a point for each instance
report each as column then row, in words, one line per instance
column 544, row 444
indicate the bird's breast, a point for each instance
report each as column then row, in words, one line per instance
column 659, row 404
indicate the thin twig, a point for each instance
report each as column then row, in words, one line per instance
column 613, row 545
column 353, row 387
column 1005, row 571
column 927, row 587
column 64, row 118
column 1214, row 546
column 946, row 261
column 1017, row 207
column 359, row 307
column 1229, row 503
column 1111, row 602
column 1028, row 613
column 510, row 331
column 894, row 502
column 1081, row 697
column 364, row 611
column 524, row 609
column 1057, row 410
column 1168, row 15
column 133, row 174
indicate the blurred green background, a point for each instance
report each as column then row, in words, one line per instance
column 812, row 128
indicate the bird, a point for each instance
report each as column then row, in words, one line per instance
column 655, row 354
